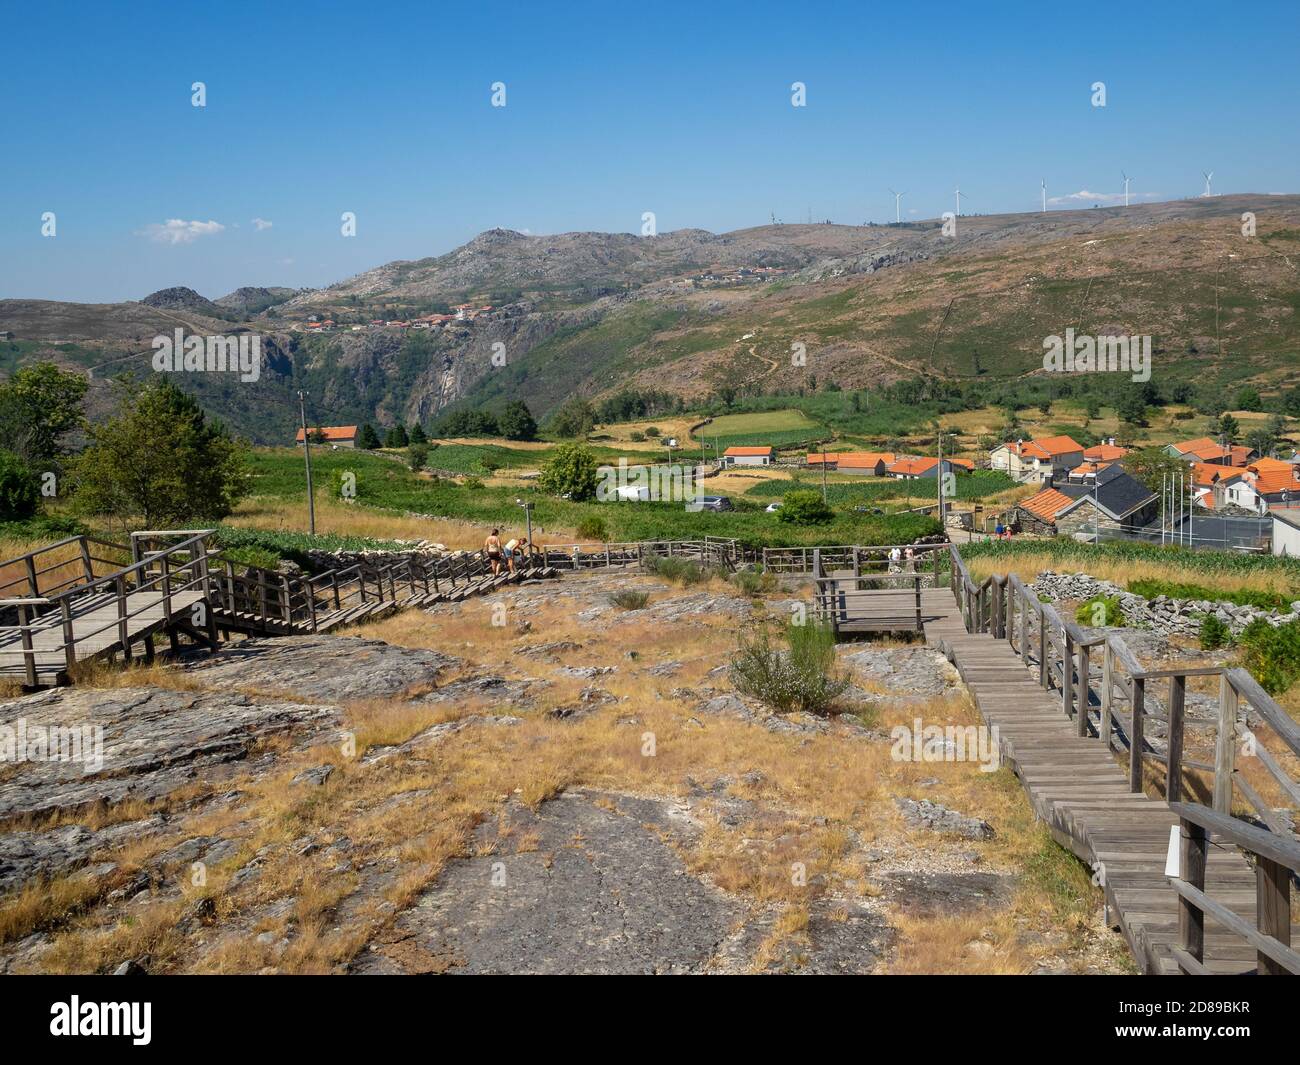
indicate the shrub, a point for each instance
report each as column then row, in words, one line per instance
column 472, row 483
column 652, row 431
column 1214, row 633
column 417, row 455
column 753, row 582
column 804, row 508
column 802, row 677
column 629, row 599
column 637, row 436
column 1100, row 610
column 20, row 491
column 678, row 570
column 593, row 528
column 1272, row 653
column 1150, row 588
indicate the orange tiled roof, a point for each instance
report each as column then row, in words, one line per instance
column 912, row 467
column 736, row 451
column 1188, row 446
column 863, row 459
column 1088, row 467
column 965, row 464
column 333, row 432
column 1272, row 475
column 823, row 456
column 1046, row 504
column 1048, row 447
column 1104, row 453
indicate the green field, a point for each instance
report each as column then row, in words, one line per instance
column 386, row 484
column 779, row 428
column 977, row 485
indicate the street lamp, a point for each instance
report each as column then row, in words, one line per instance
column 528, row 518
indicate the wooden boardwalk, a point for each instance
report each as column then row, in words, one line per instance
column 1076, row 784
column 1081, row 792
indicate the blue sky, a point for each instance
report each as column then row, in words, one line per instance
column 384, row 110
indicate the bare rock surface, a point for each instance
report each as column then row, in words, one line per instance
column 922, row 813
column 596, row 892
column 908, row 672
column 154, row 740
column 333, row 668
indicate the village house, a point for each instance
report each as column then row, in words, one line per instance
column 1104, row 452
column 1208, row 450
column 1286, row 531
column 1037, row 461
column 338, row 435
column 1263, row 483
column 914, row 469
column 861, row 463
column 747, row 456
column 1211, row 483
column 1090, row 506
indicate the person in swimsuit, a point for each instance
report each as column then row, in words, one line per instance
column 492, row 548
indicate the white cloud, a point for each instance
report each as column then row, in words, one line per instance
column 1084, row 196
column 178, row 231
column 260, row 224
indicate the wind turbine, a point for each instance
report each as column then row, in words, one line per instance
column 958, row 191
column 897, row 197
column 1126, row 180
column 1208, row 178
column 1044, row 195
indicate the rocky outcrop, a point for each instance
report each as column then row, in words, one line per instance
column 318, row 667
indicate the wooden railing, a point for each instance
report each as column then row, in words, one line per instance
column 1061, row 653
column 835, row 604
column 856, row 557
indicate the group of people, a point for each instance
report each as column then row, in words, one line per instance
column 497, row 553
column 897, row 557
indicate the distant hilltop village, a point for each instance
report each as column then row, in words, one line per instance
column 462, row 312
column 717, row 276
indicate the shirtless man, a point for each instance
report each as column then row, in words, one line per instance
column 492, row 548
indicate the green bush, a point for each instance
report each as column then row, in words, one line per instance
column 1272, row 654
column 570, row 473
column 417, row 455
column 805, row 508
column 1099, row 611
column 1149, row 589
column 801, row 677
column 753, row 582
column 652, row 431
column 681, row 571
column 593, row 528
column 629, row 599
column 637, row 436
column 1214, row 633
column 20, row 491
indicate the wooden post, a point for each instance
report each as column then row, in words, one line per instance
column 1044, row 674
column 165, row 560
column 1174, row 763
column 917, row 579
column 1081, row 703
column 123, row 634
column 1272, row 909
column 1135, row 735
column 1067, row 675
column 33, row 591
column 857, row 564
column 1191, row 918
column 1225, row 746
column 1107, row 683
column 286, row 609
column 85, row 559
column 29, row 656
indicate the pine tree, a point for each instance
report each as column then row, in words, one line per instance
column 367, row 438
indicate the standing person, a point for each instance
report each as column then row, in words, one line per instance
column 492, row 548
column 895, row 556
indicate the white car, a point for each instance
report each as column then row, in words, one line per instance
column 772, row 508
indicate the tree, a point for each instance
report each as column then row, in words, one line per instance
column 39, row 405
column 1150, row 465
column 1248, row 399
column 396, row 437
column 417, row 434
column 804, row 508
column 570, row 472
column 1260, row 440
column 516, row 422
column 160, row 460
column 416, row 455
column 20, row 492
column 574, row 419
column 1131, row 406
column 1229, row 427
column 367, row 438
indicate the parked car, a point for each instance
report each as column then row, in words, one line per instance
column 772, row 508
column 716, row 503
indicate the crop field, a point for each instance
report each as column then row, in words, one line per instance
column 778, row 428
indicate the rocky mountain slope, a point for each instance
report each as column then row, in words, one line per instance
column 588, row 313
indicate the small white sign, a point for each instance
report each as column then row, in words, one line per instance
column 1172, row 862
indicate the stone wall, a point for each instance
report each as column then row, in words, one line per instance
column 1170, row 617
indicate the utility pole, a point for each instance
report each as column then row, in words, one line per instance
column 824, row 472
column 938, row 437
column 306, row 454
